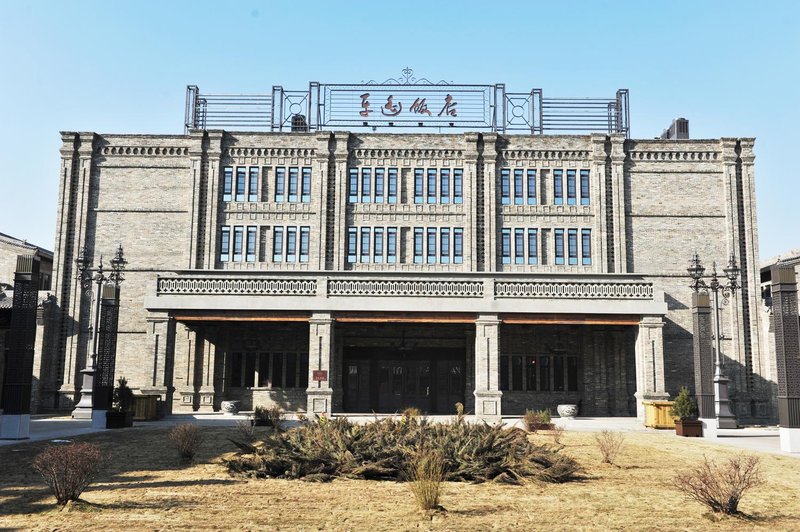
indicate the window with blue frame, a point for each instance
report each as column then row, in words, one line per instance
column 531, row 187
column 293, row 184
column 391, row 245
column 559, row 244
column 377, row 248
column 431, row 185
column 365, row 243
column 291, row 244
column 586, row 247
column 227, row 184
column 458, row 245
column 571, row 188
column 352, row 185
column 252, row 188
column 280, row 185
column 505, row 246
column 518, row 182
column 305, row 190
column 533, row 246
column 241, row 177
column 458, row 185
column 225, row 244
column 419, row 185
column 444, row 245
column 277, row 244
column 444, row 185
column 558, row 187
column 305, row 238
column 419, row 237
column 572, row 245
column 238, row 243
column 584, row 187
column 431, row 245
column 519, row 246
column 392, row 185
column 352, row 244
column 505, row 186
column 379, row 177
column 252, row 241
column 366, row 180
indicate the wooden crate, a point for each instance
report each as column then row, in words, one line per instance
column 657, row 414
column 145, row 407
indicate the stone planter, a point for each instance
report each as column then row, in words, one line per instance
column 567, row 411
column 231, row 408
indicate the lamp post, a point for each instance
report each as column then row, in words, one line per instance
column 84, row 408
column 722, row 411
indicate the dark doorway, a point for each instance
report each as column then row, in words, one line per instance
column 389, row 380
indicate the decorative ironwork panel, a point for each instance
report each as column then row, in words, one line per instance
column 271, row 287
column 574, row 290
column 372, row 288
column 105, row 364
column 787, row 344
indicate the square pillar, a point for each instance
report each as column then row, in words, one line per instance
column 787, row 354
column 323, row 381
column 204, row 378
column 650, row 362
column 703, row 355
column 487, row 368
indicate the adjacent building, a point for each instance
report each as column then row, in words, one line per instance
column 326, row 267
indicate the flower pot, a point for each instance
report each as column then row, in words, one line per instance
column 567, row 411
column 689, row 428
column 231, row 407
column 119, row 420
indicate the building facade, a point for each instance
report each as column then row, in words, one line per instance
column 336, row 271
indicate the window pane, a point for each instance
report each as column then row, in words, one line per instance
column 505, row 186
column 418, row 237
column 584, row 187
column 352, row 186
column 418, row 185
column 458, row 246
column 293, row 184
column 227, row 184
column 444, row 246
column 306, row 188
column 444, row 186
column 366, row 185
column 533, row 247
column 225, row 244
column 505, row 246
column 518, row 197
column 379, row 172
column 392, row 185
column 531, row 187
column 252, row 189
column 251, row 243
column 238, row 243
column 458, row 185
column 365, row 244
column 291, row 244
column 377, row 249
column 573, row 246
column 391, row 245
column 352, row 244
column 571, row 191
column 280, row 184
column 559, row 237
column 586, row 246
column 431, row 245
column 305, row 237
column 558, row 187
column 431, row 185
column 277, row 244
column 241, row 176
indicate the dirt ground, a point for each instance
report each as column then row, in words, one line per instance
column 144, row 488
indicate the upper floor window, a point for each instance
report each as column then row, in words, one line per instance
column 572, row 246
column 584, row 187
column 444, row 185
column 252, row 186
column 531, row 187
column 241, row 181
column 244, row 187
column 280, row 185
column 227, row 184
column 372, row 244
column 505, row 186
column 238, row 243
column 225, row 244
column 571, row 188
column 458, row 185
column 431, row 185
column 372, row 185
column 291, row 244
column 518, row 186
column 559, row 241
column 438, row 245
column 516, row 248
column 558, row 187
column 586, row 247
column 298, row 187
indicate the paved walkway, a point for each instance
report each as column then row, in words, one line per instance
column 765, row 439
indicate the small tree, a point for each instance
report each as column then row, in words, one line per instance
column 720, row 487
column 186, row 439
column 123, row 396
column 684, row 407
column 69, row 469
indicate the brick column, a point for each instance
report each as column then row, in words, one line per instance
column 204, row 376
column 487, row 368
column 787, row 353
column 161, row 338
column 703, row 355
column 649, row 362
column 321, row 360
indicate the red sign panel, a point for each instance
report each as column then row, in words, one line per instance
column 320, row 375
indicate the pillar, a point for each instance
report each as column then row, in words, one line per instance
column 649, row 362
column 323, row 381
column 487, row 368
column 15, row 423
column 703, row 354
column 787, row 353
column 204, row 372
column 161, row 338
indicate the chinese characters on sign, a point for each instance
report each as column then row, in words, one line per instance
column 420, row 106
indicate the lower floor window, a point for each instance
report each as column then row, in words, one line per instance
column 268, row 370
column 542, row 373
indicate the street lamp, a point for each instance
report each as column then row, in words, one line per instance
column 84, row 408
column 725, row 418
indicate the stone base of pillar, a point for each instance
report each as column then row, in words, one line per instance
column 647, row 396
column 99, row 419
column 320, row 401
column 206, row 400
column 709, row 427
column 66, row 397
column 790, row 439
column 488, row 406
column 15, row 427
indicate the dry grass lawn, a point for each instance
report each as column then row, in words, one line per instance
column 145, row 488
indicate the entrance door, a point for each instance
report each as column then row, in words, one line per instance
column 403, row 384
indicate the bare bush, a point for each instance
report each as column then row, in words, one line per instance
column 186, row 439
column 246, row 430
column 69, row 469
column 610, row 444
column 557, row 433
column 534, row 420
column 425, row 476
column 720, row 486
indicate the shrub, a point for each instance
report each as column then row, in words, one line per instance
column 383, row 450
column 69, row 469
column 271, row 416
column 557, row 433
column 122, row 396
column 425, row 476
column 186, row 439
column 684, row 406
column 246, row 430
column 720, row 487
column 411, row 412
column 535, row 420
column 609, row 443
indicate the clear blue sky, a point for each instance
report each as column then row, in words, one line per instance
column 730, row 67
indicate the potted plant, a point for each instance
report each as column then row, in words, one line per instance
column 121, row 413
column 685, row 410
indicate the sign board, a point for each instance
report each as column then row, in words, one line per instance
column 320, row 375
